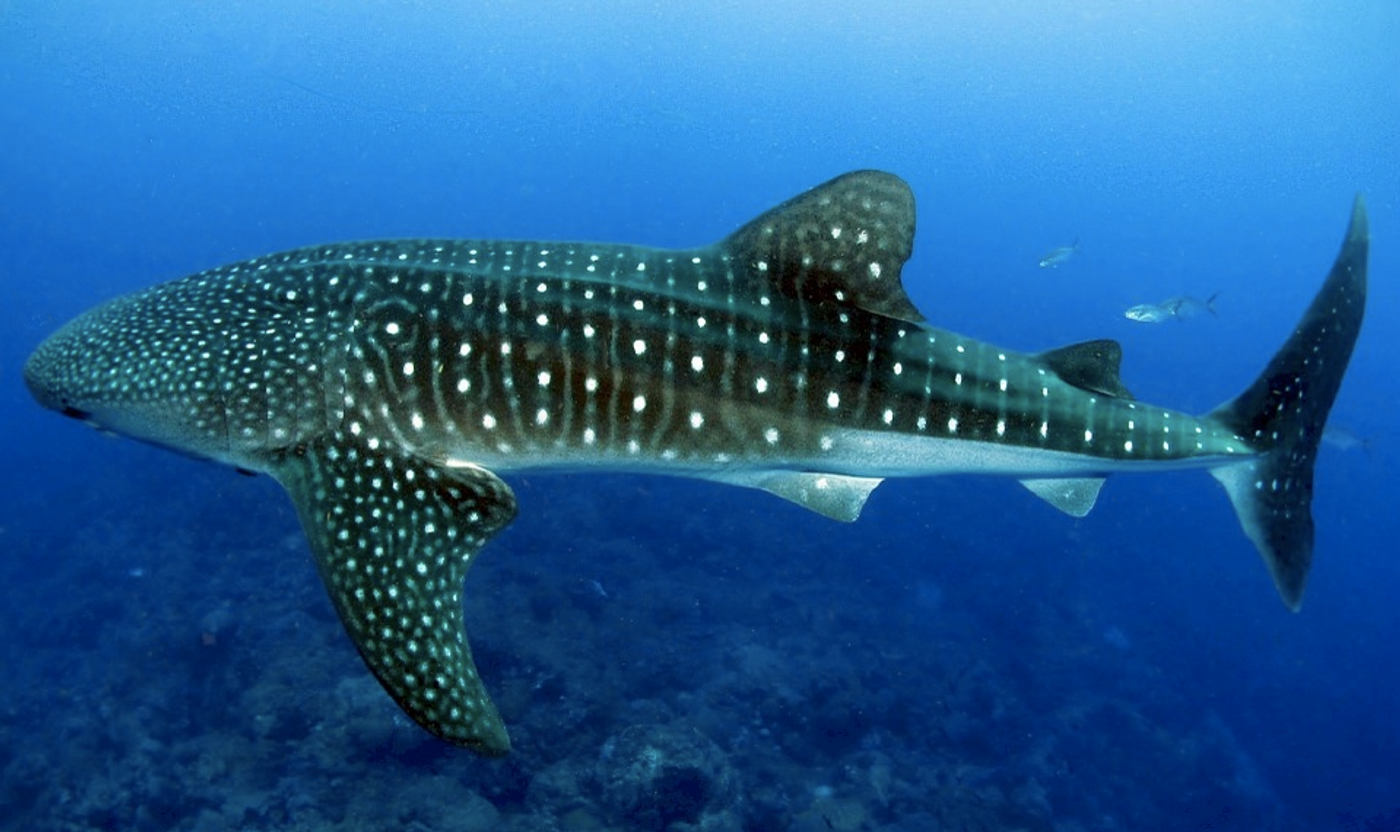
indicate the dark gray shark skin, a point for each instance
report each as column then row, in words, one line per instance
column 385, row 385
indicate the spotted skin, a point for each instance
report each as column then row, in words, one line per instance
column 385, row 384
column 399, row 594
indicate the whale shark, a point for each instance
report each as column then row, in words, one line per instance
column 387, row 385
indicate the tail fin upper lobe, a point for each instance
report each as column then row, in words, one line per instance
column 1282, row 415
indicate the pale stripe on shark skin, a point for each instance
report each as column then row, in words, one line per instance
column 386, row 384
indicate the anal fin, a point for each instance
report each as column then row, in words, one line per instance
column 393, row 537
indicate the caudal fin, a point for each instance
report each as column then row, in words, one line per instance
column 1283, row 412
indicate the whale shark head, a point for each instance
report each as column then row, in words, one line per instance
column 112, row 368
column 212, row 366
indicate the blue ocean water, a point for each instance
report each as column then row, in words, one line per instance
column 963, row 657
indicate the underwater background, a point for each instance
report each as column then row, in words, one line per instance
column 679, row 655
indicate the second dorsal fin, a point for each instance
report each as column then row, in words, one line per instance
column 843, row 242
column 1091, row 365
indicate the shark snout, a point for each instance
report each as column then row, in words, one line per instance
column 40, row 381
column 53, row 374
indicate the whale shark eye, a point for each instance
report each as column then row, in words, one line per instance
column 74, row 413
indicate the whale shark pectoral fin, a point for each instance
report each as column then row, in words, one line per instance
column 393, row 537
column 1074, row 496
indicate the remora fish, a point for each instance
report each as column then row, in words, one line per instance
column 1059, row 254
column 1180, row 308
column 385, row 384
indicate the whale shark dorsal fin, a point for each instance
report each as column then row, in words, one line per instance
column 393, row 537
column 1091, row 365
column 843, row 242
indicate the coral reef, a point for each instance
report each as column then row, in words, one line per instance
column 670, row 682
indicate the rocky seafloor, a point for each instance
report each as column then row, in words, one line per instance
column 667, row 657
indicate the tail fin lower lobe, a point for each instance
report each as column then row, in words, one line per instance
column 1282, row 415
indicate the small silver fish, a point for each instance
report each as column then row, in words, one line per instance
column 1185, row 306
column 1344, row 438
column 1180, row 308
column 1148, row 313
column 1059, row 254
